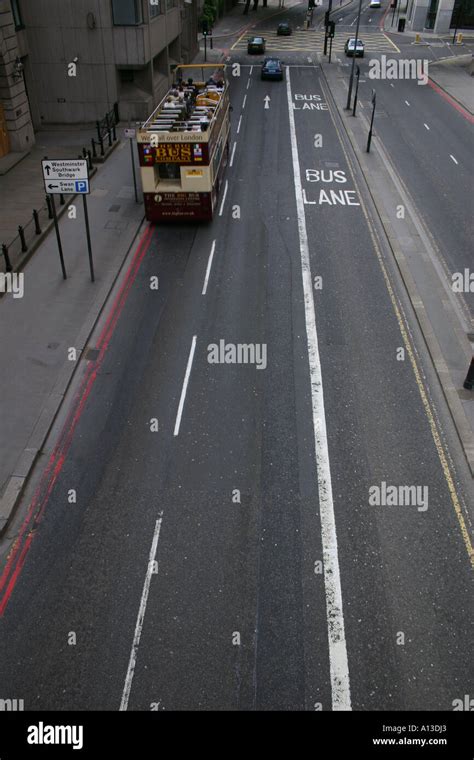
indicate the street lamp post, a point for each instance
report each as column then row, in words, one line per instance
column 351, row 80
column 369, row 139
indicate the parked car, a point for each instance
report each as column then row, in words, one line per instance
column 375, row 4
column 272, row 68
column 284, row 28
column 256, row 45
column 350, row 48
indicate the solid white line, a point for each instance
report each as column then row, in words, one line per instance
column 453, row 158
column 339, row 668
column 238, row 125
column 185, row 386
column 243, row 104
column 406, row 101
column 233, row 153
column 208, row 270
column 224, row 197
column 426, row 127
column 141, row 616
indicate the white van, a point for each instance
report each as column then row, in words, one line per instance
column 374, row 4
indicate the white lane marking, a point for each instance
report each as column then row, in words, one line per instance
column 251, row 69
column 224, row 197
column 238, row 125
column 141, row 616
column 406, row 101
column 450, row 156
column 310, row 60
column 391, row 84
column 339, row 668
column 185, row 386
column 233, row 153
column 208, row 270
column 243, row 104
column 248, row 83
column 426, row 127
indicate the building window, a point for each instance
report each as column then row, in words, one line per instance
column 155, row 8
column 17, row 14
column 127, row 12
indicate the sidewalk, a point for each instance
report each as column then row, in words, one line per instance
column 37, row 330
column 447, row 332
column 22, row 189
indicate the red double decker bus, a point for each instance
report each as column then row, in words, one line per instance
column 184, row 146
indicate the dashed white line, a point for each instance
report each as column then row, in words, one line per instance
column 406, row 101
column 238, row 125
column 208, row 270
column 426, row 126
column 248, row 83
column 141, row 616
column 455, row 161
column 224, row 197
column 233, row 153
column 185, row 386
column 391, row 84
column 251, row 69
column 243, row 104
column 339, row 668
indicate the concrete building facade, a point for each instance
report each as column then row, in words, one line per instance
column 16, row 128
column 79, row 57
column 440, row 16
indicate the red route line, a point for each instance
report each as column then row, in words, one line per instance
column 67, row 431
column 463, row 111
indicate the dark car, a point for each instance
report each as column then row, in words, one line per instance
column 272, row 69
column 256, row 45
column 350, row 48
column 284, row 28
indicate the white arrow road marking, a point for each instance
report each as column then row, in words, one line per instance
column 141, row 616
column 267, row 101
column 339, row 668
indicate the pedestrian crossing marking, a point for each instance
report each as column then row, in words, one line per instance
column 312, row 40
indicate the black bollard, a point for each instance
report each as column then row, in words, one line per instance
column 50, row 207
column 8, row 265
column 37, row 222
column 94, row 149
column 21, row 233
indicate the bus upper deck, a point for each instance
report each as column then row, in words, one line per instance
column 183, row 145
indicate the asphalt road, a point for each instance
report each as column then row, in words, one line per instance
column 227, row 497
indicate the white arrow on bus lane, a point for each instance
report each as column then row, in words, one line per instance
column 267, row 101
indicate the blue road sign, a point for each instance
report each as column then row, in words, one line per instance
column 82, row 186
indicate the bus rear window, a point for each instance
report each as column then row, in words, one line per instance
column 169, row 171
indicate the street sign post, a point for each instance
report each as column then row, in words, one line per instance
column 68, row 176
column 130, row 134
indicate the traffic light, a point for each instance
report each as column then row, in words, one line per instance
column 205, row 26
column 331, row 29
column 311, row 5
column 326, row 19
